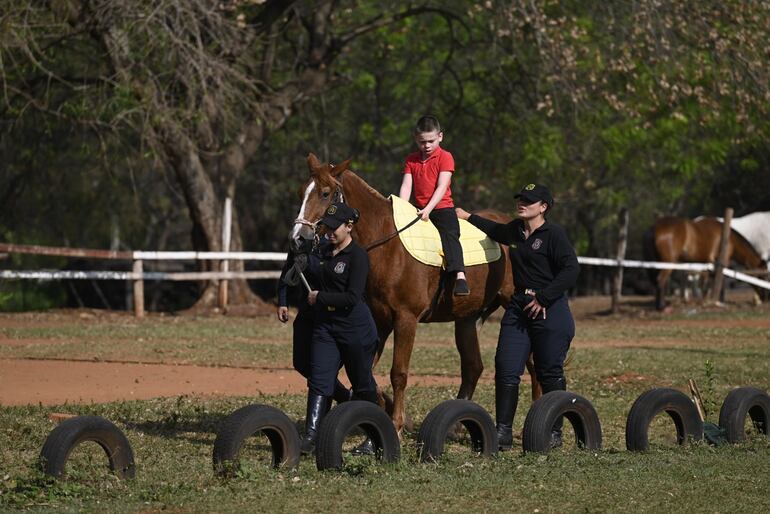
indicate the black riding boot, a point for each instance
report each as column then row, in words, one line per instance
column 342, row 393
column 555, row 384
column 366, row 447
column 506, row 401
column 317, row 407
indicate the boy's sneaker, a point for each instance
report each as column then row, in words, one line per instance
column 461, row 287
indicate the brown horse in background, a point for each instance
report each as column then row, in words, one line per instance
column 683, row 240
column 402, row 291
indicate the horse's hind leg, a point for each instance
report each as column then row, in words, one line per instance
column 537, row 389
column 471, row 366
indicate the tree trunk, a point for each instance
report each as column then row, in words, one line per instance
column 206, row 213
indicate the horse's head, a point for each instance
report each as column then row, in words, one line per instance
column 322, row 188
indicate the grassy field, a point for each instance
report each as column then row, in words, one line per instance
column 614, row 360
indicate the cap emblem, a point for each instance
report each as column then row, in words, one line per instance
column 529, row 187
column 331, row 210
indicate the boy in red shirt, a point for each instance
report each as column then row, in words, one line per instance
column 430, row 170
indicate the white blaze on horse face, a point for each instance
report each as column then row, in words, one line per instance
column 295, row 232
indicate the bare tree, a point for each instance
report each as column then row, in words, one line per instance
column 204, row 82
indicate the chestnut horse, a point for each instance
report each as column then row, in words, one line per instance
column 683, row 240
column 400, row 290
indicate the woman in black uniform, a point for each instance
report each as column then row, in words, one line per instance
column 538, row 319
column 303, row 323
column 343, row 328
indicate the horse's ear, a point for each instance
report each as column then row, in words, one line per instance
column 312, row 161
column 339, row 168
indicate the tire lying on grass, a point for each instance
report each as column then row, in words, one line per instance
column 536, row 436
column 247, row 421
column 681, row 409
column 741, row 402
column 70, row 433
column 442, row 419
column 345, row 417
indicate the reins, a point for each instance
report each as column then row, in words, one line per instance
column 391, row 236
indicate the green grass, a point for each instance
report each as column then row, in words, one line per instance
column 172, row 438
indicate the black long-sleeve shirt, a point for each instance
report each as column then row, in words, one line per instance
column 343, row 276
column 545, row 261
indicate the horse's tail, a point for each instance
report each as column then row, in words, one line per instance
column 488, row 311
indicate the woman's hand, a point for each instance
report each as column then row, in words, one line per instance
column 462, row 213
column 283, row 314
column 424, row 214
column 534, row 309
column 312, row 297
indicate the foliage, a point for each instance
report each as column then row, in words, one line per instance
column 150, row 114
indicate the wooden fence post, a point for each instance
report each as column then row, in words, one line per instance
column 722, row 260
column 617, row 285
column 138, row 290
column 225, row 266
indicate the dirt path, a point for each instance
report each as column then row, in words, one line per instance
column 53, row 382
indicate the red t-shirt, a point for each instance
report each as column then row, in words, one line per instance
column 425, row 176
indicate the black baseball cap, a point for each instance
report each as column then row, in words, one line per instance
column 339, row 213
column 536, row 193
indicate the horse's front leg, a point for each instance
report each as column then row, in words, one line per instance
column 403, row 342
column 471, row 365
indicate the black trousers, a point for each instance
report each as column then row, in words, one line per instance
column 301, row 339
column 349, row 337
column 448, row 227
column 548, row 339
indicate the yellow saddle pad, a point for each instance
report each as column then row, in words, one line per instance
column 423, row 243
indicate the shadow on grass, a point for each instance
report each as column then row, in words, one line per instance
column 176, row 426
column 702, row 351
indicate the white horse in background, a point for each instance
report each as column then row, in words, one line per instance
column 755, row 227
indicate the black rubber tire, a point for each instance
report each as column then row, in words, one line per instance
column 684, row 413
column 71, row 432
column 245, row 422
column 441, row 420
column 370, row 418
column 739, row 403
column 536, row 436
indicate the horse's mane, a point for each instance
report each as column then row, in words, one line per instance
column 366, row 185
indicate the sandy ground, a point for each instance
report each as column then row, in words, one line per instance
column 53, row 382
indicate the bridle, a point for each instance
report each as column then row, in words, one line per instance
column 337, row 197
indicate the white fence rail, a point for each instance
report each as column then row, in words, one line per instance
column 138, row 275
column 687, row 266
